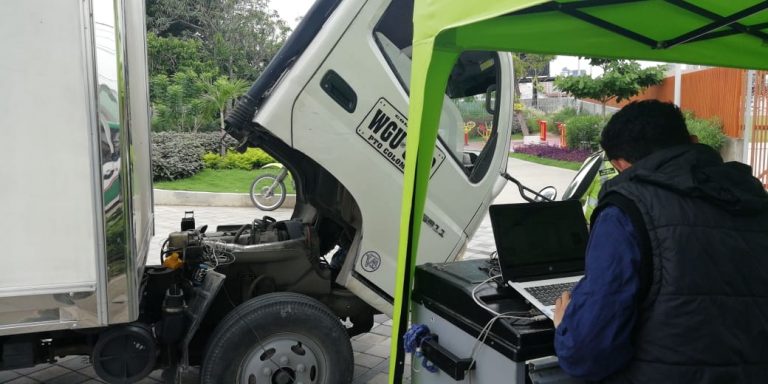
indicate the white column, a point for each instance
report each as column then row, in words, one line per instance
column 748, row 110
column 678, row 83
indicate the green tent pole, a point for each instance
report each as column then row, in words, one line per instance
column 426, row 99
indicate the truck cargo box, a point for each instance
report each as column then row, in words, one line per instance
column 75, row 202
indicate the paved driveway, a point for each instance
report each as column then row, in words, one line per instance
column 371, row 350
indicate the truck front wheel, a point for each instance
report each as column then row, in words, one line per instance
column 283, row 338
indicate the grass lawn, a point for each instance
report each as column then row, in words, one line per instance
column 517, row 136
column 545, row 161
column 220, row 180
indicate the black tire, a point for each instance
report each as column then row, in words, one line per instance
column 279, row 332
column 267, row 203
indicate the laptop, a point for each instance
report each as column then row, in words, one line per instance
column 541, row 248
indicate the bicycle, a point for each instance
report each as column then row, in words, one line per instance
column 268, row 191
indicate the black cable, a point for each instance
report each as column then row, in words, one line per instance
column 240, row 232
column 162, row 250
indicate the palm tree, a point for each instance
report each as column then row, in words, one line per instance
column 219, row 96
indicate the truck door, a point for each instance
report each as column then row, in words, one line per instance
column 351, row 118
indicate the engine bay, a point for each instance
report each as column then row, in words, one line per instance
column 245, row 261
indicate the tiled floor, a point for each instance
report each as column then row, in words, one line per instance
column 372, row 353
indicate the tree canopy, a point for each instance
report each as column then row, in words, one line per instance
column 239, row 36
column 196, row 44
column 528, row 64
column 218, row 96
column 621, row 79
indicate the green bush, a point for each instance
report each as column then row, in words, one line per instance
column 250, row 159
column 472, row 109
column 583, row 132
column 561, row 116
column 709, row 131
column 212, row 160
column 532, row 117
column 211, row 141
column 175, row 155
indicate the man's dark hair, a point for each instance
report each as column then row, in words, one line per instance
column 643, row 127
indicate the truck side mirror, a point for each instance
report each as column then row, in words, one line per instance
column 546, row 194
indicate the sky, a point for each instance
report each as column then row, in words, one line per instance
column 570, row 62
column 290, row 10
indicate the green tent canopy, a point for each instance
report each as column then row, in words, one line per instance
column 709, row 32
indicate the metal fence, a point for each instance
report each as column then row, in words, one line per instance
column 554, row 104
column 550, row 104
column 590, row 108
column 473, row 110
column 758, row 146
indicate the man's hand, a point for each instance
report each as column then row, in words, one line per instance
column 560, row 304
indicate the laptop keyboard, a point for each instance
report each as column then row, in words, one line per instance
column 547, row 294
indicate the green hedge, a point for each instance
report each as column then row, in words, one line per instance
column 211, row 141
column 176, row 155
column 560, row 116
column 472, row 109
column 250, row 159
column 709, row 131
column 583, row 132
column 532, row 117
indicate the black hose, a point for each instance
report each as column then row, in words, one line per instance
column 299, row 40
column 162, row 252
column 240, row 232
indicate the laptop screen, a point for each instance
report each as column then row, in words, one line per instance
column 534, row 240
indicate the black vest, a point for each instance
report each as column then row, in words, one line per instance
column 703, row 308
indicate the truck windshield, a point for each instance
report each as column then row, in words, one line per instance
column 466, row 124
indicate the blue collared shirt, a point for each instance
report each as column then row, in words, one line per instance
column 594, row 339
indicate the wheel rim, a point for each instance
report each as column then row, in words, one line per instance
column 286, row 358
column 264, row 197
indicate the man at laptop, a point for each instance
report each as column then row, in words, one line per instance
column 676, row 279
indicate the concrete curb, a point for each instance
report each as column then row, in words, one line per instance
column 210, row 199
